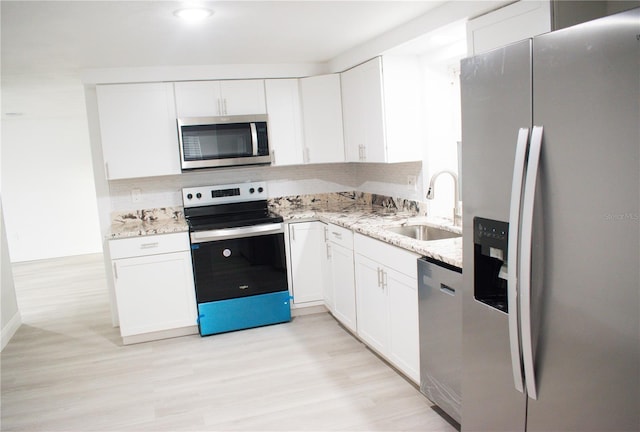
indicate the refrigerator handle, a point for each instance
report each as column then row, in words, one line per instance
column 525, row 259
column 512, row 256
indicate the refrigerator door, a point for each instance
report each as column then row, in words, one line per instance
column 586, row 259
column 496, row 103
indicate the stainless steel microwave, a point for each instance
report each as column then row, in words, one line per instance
column 209, row 142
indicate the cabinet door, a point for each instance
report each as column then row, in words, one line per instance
column 138, row 129
column 372, row 309
column 308, row 261
column 343, row 283
column 322, row 117
column 217, row 98
column 509, row 24
column 154, row 293
column 329, row 291
column 285, row 121
column 198, row 99
column 363, row 112
column 404, row 348
column 243, row 97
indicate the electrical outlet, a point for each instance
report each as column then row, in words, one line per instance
column 136, row 195
column 411, row 183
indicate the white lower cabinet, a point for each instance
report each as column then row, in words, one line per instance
column 340, row 291
column 387, row 302
column 308, row 262
column 153, row 283
column 373, row 311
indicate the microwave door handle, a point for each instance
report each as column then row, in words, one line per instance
column 254, row 138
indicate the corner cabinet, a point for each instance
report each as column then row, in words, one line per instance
column 382, row 110
column 219, row 98
column 308, row 262
column 322, row 117
column 138, row 130
column 154, row 286
column 387, row 302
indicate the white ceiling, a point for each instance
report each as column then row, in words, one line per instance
column 45, row 37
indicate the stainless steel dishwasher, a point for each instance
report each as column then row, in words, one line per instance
column 440, row 317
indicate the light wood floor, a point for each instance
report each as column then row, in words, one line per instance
column 66, row 369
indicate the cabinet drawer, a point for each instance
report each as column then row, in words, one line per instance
column 339, row 235
column 149, row 245
column 391, row 256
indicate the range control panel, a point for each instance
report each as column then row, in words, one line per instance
column 224, row 194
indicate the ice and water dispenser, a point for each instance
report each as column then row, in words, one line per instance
column 490, row 238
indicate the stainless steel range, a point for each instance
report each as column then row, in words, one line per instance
column 238, row 253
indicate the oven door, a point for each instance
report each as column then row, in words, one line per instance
column 239, row 262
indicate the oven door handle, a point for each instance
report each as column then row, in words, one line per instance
column 233, row 233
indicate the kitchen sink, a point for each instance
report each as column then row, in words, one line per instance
column 424, row 232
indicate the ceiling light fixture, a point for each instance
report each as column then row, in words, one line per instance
column 193, row 14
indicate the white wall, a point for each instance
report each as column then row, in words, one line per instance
column 47, row 177
column 443, row 125
column 9, row 313
column 281, row 181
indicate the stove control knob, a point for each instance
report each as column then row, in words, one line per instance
column 198, row 195
column 252, row 190
column 260, row 189
column 189, row 196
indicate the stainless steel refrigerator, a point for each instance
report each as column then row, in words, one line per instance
column 551, row 194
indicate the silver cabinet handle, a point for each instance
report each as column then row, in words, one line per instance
column 337, row 235
column 224, row 105
column 115, row 271
column 512, row 256
column 328, row 251
column 379, row 277
column 293, row 232
column 326, row 237
column 149, row 245
column 384, row 278
column 525, row 259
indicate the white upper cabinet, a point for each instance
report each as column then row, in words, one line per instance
column 285, row 121
column 138, row 130
column 219, row 98
column 382, row 108
column 322, row 117
column 517, row 21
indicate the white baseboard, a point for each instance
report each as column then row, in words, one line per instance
column 164, row 334
column 10, row 329
column 308, row 310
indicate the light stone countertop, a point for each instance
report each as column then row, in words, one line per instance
column 134, row 223
column 372, row 221
column 375, row 221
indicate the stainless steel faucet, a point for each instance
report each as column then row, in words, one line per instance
column 457, row 211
